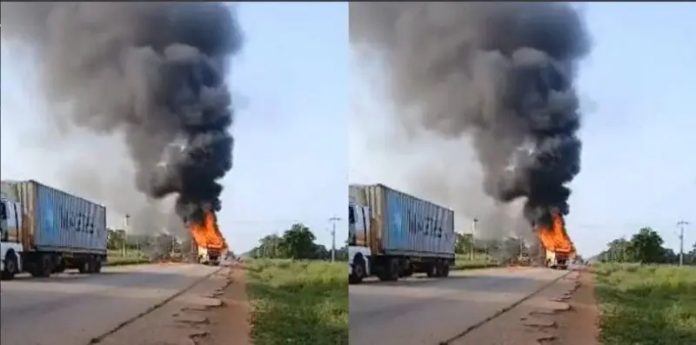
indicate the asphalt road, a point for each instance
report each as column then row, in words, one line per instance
column 71, row 308
column 427, row 311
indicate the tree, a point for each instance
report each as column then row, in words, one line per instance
column 298, row 242
column 270, row 247
column 463, row 244
column 670, row 257
column 619, row 251
column 114, row 239
column 646, row 246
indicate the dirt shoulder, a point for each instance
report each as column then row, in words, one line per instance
column 230, row 325
column 213, row 312
column 580, row 325
column 562, row 313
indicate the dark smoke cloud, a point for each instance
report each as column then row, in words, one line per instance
column 154, row 71
column 499, row 72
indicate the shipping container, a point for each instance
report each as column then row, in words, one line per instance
column 401, row 233
column 405, row 224
column 59, row 230
column 57, row 221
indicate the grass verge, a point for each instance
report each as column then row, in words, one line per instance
column 298, row 302
column 116, row 258
column 465, row 262
column 646, row 304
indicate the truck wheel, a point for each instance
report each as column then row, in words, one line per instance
column 432, row 270
column 409, row 270
column 394, row 270
column 445, row 270
column 358, row 272
column 84, row 266
column 10, row 267
column 391, row 272
column 97, row 265
column 44, row 268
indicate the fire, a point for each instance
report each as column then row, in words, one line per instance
column 207, row 234
column 555, row 238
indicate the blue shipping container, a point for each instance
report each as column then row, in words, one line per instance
column 406, row 225
column 57, row 221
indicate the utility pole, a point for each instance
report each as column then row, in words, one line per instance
column 681, row 224
column 333, row 220
column 473, row 234
column 125, row 231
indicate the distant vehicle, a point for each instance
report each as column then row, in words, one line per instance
column 393, row 234
column 559, row 249
column 211, row 247
column 46, row 230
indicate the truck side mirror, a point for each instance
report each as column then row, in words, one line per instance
column 3, row 211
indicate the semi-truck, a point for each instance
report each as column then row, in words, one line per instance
column 211, row 246
column 558, row 249
column 393, row 234
column 45, row 230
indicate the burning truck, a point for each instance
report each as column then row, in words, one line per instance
column 209, row 244
column 558, row 249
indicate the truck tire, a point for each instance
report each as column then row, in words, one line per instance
column 408, row 271
column 97, row 265
column 85, row 266
column 432, row 270
column 358, row 271
column 445, row 270
column 44, row 267
column 391, row 273
column 10, row 266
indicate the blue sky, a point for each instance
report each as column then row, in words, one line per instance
column 290, row 84
column 637, row 91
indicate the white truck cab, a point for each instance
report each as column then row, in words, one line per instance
column 359, row 252
column 10, row 238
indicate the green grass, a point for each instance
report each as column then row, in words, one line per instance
column 298, row 302
column 465, row 262
column 132, row 257
column 647, row 305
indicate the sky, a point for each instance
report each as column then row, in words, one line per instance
column 637, row 90
column 290, row 88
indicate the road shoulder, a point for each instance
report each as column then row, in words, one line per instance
column 212, row 312
column 562, row 313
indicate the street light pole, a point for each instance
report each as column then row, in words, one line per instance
column 681, row 224
column 125, row 231
column 333, row 220
column 473, row 235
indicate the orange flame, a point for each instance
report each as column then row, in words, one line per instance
column 207, row 234
column 555, row 238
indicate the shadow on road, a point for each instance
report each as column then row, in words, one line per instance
column 120, row 279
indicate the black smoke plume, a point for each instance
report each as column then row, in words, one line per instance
column 499, row 72
column 153, row 71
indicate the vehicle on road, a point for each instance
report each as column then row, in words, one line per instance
column 211, row 246
column 394, row 234
column 559, row 249
column 46, row 230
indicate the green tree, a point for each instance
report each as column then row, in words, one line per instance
column 298, row 242
column 114, row 239
column 619, row 251
column 463, row 244
column 646, row 246
column 270, row 247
